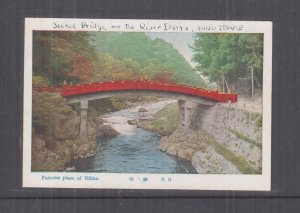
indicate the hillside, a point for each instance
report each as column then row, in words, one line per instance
column 137, row 55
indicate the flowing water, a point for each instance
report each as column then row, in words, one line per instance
column 135, row 150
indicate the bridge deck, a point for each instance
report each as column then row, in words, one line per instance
column 90, row 88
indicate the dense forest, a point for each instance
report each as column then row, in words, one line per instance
column 59, row 56
column 139, row 54
column 80, row 57
column 229, row 58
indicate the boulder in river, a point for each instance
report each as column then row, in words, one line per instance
column 182, row 143
column 132, row 122
column 104, row 131
column 143, row 110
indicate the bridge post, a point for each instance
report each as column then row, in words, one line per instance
column 83, row 119
column 186, row 109
column 181, row 113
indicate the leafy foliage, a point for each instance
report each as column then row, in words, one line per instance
column 109, row 68
column 136, row 55
column 39, row 81
column 59, row 56
column 229, row 56
column 45, row 106
column 107, row 56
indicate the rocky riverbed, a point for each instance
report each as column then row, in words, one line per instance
column 53, row 152
column 55, row 133
column 55, row 140
column 196, row 147
column 134, row 150
column 222, row 140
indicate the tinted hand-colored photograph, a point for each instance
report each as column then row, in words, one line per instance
column 147, row 102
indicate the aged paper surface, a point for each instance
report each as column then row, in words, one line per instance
column 147, row 104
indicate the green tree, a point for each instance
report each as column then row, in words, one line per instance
column 224, row 58
column 59, row 56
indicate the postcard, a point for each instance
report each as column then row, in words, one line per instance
column 147, row 104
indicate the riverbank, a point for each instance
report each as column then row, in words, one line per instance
column 223, row 139
column 55, row 133
column 55, row 137
column 163, row 122
column 159, row 116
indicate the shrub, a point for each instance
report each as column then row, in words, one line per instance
column 45, row 106
column 258, row 122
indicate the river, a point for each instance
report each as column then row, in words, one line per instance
column 135, row 150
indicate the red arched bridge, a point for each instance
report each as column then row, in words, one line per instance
column 101, row 87
column 188, row 97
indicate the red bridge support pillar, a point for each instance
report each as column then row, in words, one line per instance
column 83, row 119
column 186, row 109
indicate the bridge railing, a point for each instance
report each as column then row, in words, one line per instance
column 69, row 91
